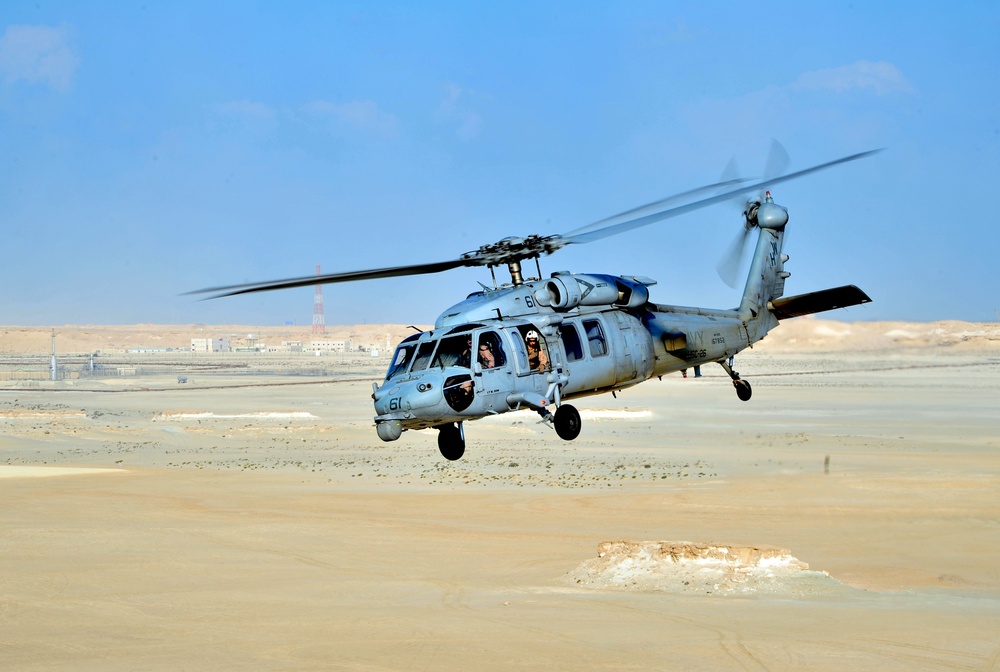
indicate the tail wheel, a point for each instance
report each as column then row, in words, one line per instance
column 743, row 390
column 567, row 422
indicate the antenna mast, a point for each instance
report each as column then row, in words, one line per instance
column 53, row 366
column 319, row 319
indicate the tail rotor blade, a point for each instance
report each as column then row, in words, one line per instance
column 730, row 263
column 777, row 160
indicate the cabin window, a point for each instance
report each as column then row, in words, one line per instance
column 595, row 337
column 537, row 351
column 517, row 339
column 571, row 341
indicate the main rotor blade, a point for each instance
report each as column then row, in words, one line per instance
column 727, row 181
column 646, row 220
column 308, row 281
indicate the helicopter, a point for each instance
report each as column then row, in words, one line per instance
column 534, row 343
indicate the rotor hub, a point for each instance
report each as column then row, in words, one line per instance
column 513, row 249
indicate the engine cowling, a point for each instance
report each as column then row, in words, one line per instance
column 631, row 294
column 566, row 291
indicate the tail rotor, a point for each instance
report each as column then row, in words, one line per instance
column 731, row 262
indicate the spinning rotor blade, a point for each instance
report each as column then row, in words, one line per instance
column 729, row 266
column 777, row 163
column 514, row 250
column 727, row 181
column 308, row 281
column 777, row 160
column 646, row 220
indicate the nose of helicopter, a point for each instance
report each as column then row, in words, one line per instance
column 398, row 402
column 408, row 395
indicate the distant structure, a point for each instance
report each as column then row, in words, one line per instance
column 54, row 367
column 220, row 344
column 319, row 319
column 323, row 346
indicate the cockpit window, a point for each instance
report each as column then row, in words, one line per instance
column 490, row 353
column 454, row 351
column 423, row 358
column 400, row 360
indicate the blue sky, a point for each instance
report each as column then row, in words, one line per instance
column 149, row 149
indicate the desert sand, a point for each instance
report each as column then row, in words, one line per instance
column 846, row 517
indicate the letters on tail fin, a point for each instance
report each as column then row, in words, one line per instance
column 766, row 280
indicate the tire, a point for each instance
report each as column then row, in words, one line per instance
column 451, row 443
column 743, row 390
column 567, row 422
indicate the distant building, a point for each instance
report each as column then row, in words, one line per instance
column 286, row 346
column 330, row 346
column 220, row 344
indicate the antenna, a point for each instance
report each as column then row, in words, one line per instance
column 54, row 367
column 319, row 319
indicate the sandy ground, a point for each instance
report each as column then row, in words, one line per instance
column 230, row 524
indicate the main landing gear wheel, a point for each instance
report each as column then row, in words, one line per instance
column 743, row 390
column 567, row 422
column 451, row 441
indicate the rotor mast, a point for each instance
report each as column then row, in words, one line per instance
column 515, row 273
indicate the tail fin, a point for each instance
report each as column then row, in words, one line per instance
column 763, row 303
column 766, row 279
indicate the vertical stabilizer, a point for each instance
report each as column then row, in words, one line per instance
column 766, row 279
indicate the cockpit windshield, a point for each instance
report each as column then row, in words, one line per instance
column 424, row 355
column 400, row 360
column 449, row 351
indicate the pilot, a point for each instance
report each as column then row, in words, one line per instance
column 465, row 357
column 487, row 358
column 537, row 359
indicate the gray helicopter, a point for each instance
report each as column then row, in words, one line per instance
column 534, row 343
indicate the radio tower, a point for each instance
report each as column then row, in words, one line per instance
column 319, row 321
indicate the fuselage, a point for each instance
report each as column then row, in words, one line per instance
column 479, row 359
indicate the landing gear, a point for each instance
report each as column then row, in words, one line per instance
column 743, row 390
column 451, row 441
column 567, row 422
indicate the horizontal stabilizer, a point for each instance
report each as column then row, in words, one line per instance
column 817, row 302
